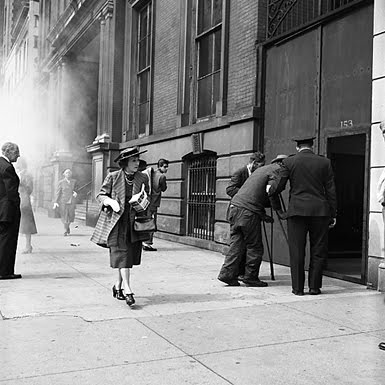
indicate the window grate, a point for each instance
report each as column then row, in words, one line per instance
column 201, row 197
column 287, row 15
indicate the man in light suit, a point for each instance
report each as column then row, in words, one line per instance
column 65, row 199
column 158, row 186
column 9, row 210
column 312, row 209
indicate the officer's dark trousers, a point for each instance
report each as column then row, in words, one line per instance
column 245, row 231
column 298, row 227
column 9, row 234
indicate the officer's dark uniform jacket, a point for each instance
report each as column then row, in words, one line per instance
column 252, row 195
column 312, row 188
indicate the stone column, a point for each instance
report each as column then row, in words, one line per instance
column 62, row 157
column 110, row 98
column 110, row 91
column 377, row 161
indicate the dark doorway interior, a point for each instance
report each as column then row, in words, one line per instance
column 347, row 154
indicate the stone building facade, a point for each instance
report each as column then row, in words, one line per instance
column 204, row 83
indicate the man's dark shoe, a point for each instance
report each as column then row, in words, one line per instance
column 314, row 291
column 149, row 248
column 254, row 283
column 298, row 292
column 229, row 282
column 10, row 276
column 381, row 345
column 241, row 277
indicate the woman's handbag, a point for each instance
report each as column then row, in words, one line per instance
column 144, row 224
column 140, row 201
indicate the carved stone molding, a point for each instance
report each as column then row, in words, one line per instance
column 107, row 11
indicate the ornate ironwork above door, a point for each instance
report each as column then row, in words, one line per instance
column 287, row 15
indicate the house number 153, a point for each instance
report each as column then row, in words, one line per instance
column 346, row 123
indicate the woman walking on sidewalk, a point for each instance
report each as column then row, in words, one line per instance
column 115, row 226
column 27, row 222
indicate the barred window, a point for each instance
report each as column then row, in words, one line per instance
column 201, row 196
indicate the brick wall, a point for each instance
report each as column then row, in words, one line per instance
column 247, row 25
column 167, row 27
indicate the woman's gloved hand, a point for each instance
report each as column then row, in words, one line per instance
column 112, row 203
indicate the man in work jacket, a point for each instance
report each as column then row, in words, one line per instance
column 247, row 211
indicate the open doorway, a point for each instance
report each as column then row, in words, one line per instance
column 347, row 259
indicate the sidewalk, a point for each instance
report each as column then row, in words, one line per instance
column 60, row 325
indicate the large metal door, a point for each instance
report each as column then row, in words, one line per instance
column 290, row 104
column 319, row 83
column 346, row 73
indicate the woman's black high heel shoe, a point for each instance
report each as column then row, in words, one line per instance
column 130, row 300
column 117, row 293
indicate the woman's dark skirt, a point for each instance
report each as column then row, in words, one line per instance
column 126, row 258
column 27, row 223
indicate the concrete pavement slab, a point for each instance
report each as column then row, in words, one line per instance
column 221, row 330
column 362, row 313
column 64, row 324
column 175, row 371
column 343, row 360
column 62, row 344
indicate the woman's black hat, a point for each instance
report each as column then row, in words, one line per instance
column 128, row 153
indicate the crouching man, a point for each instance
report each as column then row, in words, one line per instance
column 247, row 211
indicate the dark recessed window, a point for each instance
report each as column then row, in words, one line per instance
column 144, row 83
column 209, row 45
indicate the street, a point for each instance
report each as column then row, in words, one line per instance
column 60, row 325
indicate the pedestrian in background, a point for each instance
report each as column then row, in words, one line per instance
column 158, row 186
column 65, row 199
column 115, row 226
column 247, row 211
column 312, row 210
column 27, row 222
column 9, row 210
column 257, row 159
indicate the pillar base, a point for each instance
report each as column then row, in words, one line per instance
column 381, row 277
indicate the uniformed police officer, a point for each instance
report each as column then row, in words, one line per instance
column 312, row 209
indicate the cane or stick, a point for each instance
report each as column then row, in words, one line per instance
column 269, row 252
column 280, row 220
column 283, row 229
